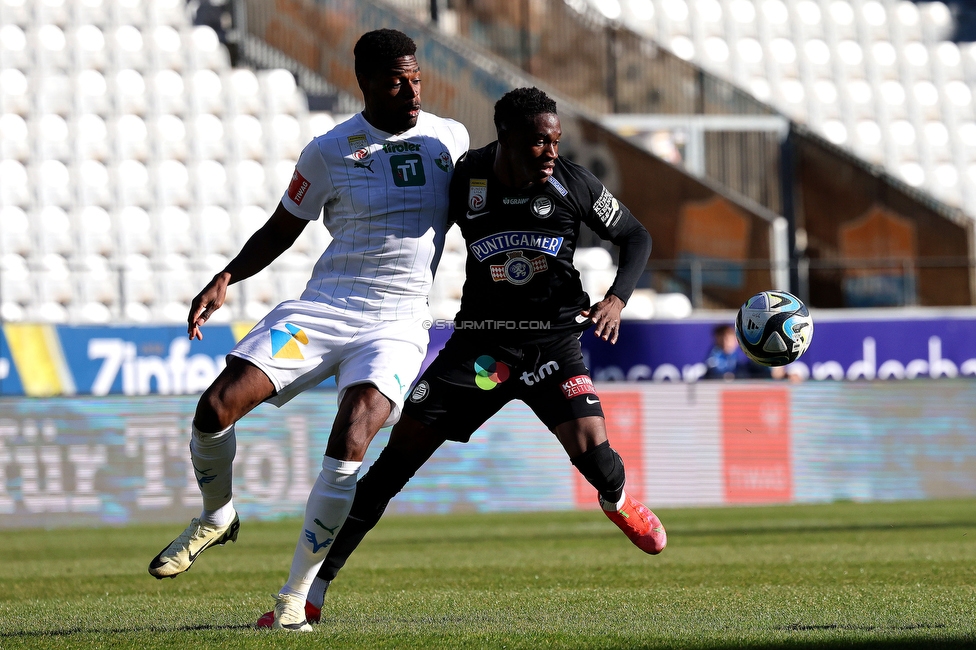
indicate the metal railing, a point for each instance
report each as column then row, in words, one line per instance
column 835, row 283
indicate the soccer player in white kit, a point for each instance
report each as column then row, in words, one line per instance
column 382, row 178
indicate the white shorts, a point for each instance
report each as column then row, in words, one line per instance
column 301, row 343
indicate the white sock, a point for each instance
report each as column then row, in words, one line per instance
column 614, row 507
column 212, row 455
column 316, row 593
column 326, row 510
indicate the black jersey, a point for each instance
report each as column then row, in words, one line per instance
column 520, row 280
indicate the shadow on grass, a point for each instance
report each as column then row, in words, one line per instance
column 46, row 634
column 854, row 644
column 677, row 531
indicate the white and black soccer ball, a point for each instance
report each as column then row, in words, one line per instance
column 774, row 328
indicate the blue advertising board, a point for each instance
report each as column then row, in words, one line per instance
column 849, row 345
column 143, row 360
column 10, row 383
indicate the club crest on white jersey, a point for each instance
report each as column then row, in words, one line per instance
column 359, row 146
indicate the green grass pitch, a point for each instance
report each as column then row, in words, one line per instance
column 896, row 575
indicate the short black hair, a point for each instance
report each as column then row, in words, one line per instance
column 517, row 107
column 377, row 49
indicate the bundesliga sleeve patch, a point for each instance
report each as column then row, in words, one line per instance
column 298, row 187
column 578, row 385
column 607, row 209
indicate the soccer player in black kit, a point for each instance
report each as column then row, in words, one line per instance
column 520, row 208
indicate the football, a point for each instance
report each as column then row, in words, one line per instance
column 774, row 328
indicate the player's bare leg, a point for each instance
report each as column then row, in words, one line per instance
column 585, row 440
column 238, row 389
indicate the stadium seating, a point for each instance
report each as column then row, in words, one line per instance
column 134, row 161
column 879, row 77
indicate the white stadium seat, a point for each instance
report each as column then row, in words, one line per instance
column 54, row 231
column 167, row 12
column 843, row 18
column 245, row 91
column 247, row 220
column 92, row 312
column 16, row 281
column 247, row 134
column 174, row 231
column 216, row 230
column 129, row 12
column 206, row 92
column 54, row 94
column 14, row 137
column 132, row 181
column 53, row 137
column 57, row 12
column 169, row 136
column 207, row 137
column 50, row 48
column 250, row 183
column 205, row 50
column 16, row 12
column 137, row 280
column 15, row 231
column 283, row 171
column 14, row 87
column 94, row 184
column 280, row 91
column 52, row 181
column 94, row 12
column 168, row 92
column 210, row 179
column 91, row 93
column 54, row 281
column 135, row 231
column 89, row 45
column 316, row 123
column 14, row 52
column 95, row 231
column 128, row 47
column 286, row 137
column 131, row 91
column 166, row 47
column 172, row 183
column 132, row 138
column 14, row 184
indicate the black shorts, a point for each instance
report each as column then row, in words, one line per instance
column 472, row 379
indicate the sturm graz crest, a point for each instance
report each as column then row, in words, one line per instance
column 541, row 206
column 420, row 392
column 518, row 269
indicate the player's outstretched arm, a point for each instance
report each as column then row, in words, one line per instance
column 268, row 242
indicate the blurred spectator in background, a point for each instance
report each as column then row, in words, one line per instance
column 727, row 361
column 219, row 15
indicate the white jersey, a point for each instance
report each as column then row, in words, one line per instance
column 385, row 198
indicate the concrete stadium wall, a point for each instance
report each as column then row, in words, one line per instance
column 116, row 459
